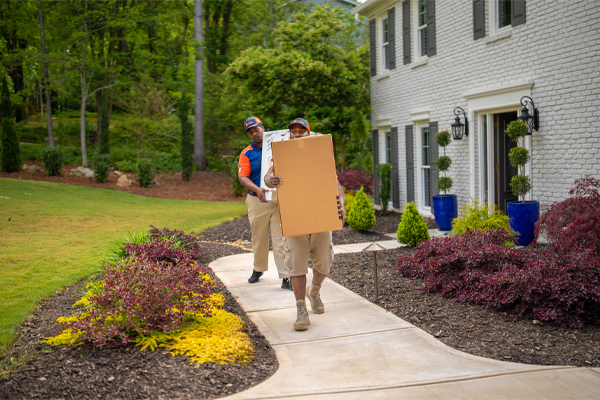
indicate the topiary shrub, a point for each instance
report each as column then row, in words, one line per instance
column 480, row 217
column 145, row 173
column 443, row 183
column 54, row 160
column 478, row 268
column 518, row 156
column 11, row 151
column 361, row 216
column 574, row 223
column 384, row 172
column 187, row 154
column 101, row 167
column 412, row 229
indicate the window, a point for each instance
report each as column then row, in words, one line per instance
column 388, row 147
column 386, row 41
column 425, row 167
column 422, row 28
column 504, row 13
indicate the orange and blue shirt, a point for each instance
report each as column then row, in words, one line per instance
column 250, row 164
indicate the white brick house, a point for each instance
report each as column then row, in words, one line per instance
column 483, row 56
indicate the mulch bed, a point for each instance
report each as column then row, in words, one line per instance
column 120, row 372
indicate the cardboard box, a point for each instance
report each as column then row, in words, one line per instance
column 308, row 197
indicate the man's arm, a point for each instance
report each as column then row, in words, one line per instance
column 248, row 184
column 271, row 180
column 342, row 201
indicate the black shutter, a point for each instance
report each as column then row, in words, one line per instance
column 373, row 50
column 406, row 31
column 395, row 173
column 410, row 164
column 375, row 143
column 433, row 153
column 431, row 48
column 517, row 10
column 391, row 47
column 478, row 19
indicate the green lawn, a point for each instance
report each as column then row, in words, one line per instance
column 52, row 235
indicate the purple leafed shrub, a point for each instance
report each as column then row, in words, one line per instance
column 353, row 180
column 166, row 252
column 478, row 268
column 574, row 223
column 141, row 296
column 186, row 242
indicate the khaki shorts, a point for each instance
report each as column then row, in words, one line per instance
column 316, row 247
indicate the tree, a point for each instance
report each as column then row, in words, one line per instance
column 318, row 71
column 199, row 157
column 187, row 156
column 104, row 123
column 11, row 152
column 46, row 76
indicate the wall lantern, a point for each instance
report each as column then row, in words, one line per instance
column 458, row 128
column 531, row 119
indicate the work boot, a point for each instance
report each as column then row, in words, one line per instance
column 302, row 321
column 312, row 292
column 255, row 276
column 285, row 284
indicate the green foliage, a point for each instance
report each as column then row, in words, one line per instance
column 68, row 133
column 442, row 138
column 443, row 163
column 187, row 154
column 412, row 229
column 239, row 190
column 31, row 134
column 520, row 185
column 5, row 107
column 53, row 160
column 101, row 167
column 384, row 172
column 348, row 201
column 127, row 166
column 444, row 184
column 11, row 151
column 480, row 217
column 516, row 129
column 104, row 123
column 361, row 216
column 145, row 173
column 518, row 156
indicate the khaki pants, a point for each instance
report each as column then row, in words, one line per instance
column 317, row 247
column 264, row 217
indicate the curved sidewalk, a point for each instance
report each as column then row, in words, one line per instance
column 357, row 350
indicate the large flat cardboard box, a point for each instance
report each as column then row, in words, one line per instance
column 308, row 197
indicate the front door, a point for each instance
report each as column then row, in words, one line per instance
column 504, row 171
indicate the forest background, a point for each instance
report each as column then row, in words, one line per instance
column 130, row 62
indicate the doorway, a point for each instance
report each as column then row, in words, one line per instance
column 504, row 172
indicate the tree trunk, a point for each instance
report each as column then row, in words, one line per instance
column 45, row 62
column 84, row 95
column 199, row 157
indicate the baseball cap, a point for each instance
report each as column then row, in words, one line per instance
column 300, row 121
column 251, row 123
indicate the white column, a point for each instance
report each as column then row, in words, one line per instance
column 472, row 135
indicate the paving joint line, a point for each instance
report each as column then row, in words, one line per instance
column 293, row 307
column 400, row 328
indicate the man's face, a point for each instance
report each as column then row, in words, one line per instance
column 298, row 131
column 256, row 135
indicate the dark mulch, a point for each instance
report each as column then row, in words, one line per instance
column 239, row 228
column 124, row 371
column 468, row 328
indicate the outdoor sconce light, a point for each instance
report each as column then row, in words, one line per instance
column 532, row 121
column 374, row 247
column 458, row 128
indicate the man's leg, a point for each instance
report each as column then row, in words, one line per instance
column 258, row 215
column 321, row 253
column 297, row 253
column 279, row 246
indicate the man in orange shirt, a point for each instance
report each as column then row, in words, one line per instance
column 263, row 214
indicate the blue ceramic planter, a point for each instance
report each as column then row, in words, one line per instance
column 445, row 209
column 522, row 218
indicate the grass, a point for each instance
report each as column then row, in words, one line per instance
column 53, row 235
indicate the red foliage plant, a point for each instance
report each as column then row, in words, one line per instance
column 353, row 180
column 574, row 223
column 163, row 252
column 479, row 268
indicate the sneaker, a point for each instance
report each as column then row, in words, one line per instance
column 255, row 276
column 286, row 284
column 302, row 321
column 312, row 292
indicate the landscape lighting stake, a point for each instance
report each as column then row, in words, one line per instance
column 374, row 247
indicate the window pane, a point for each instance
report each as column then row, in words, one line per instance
column 425, row 138
column 504, row 13
column 426, row 187
column 388, row 147
column 423, row 39
column 385, row 30
column 422, row 12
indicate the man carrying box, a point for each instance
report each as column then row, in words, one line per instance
column 263, row 214
column 317, row 247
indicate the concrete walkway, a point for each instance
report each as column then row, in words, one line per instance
column 357, row 350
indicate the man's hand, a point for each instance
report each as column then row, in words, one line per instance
column 275, row 181
column 260, row 193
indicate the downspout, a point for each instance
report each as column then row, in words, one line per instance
column 357, row 19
